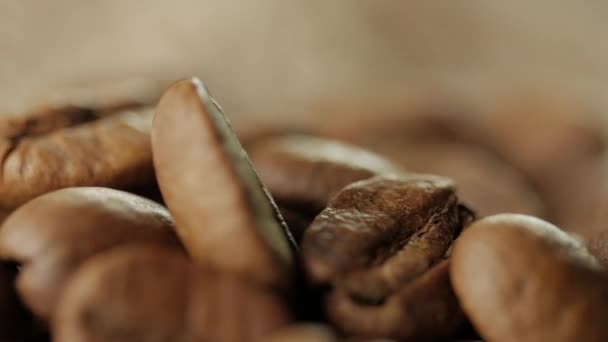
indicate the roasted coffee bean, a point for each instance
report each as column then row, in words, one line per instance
column 51, row 148
column 223, row 214
column 375, row 238
column 519, row 278
column 425, row 309
column 151, row 293
column 305, row 171
column 54, row 233
column 484, row 181
column 380, row 233
column 303, row 332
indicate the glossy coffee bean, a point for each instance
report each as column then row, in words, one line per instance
column 224, row 216
column 519, row 278
column 154, row 293
column 53, row 234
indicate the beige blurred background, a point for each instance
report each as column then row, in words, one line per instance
column 297, row 59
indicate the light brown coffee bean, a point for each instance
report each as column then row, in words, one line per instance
column 375, row 239
column 49, row 149
column 305, row 171
column 54, row 233
column 223, row 214
column 519, row 278
column 151, row 293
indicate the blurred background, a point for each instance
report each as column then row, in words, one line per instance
column 300, row 61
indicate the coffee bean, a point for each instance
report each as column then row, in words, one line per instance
column 378, row 235
column 223, row 214
column 425, row 309
column 50, row 149
column 306, row 171
column 153, row 293
column 519, row 278
column 53, row 234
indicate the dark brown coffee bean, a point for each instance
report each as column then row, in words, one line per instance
column 223, row 214
column 378, row 234
column 374, row 239
column 305, row 171
column 426, row 309
column 519, row 278
column 484, row 181
column 56, row 148
column 52, row 234
column 152, row 293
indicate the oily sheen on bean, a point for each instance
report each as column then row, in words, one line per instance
column 53, row 234
column 223, row 214
column 379, row 246
column 54, row 148
column 519, row 278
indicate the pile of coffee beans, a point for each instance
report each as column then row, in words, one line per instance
column 126, row 221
